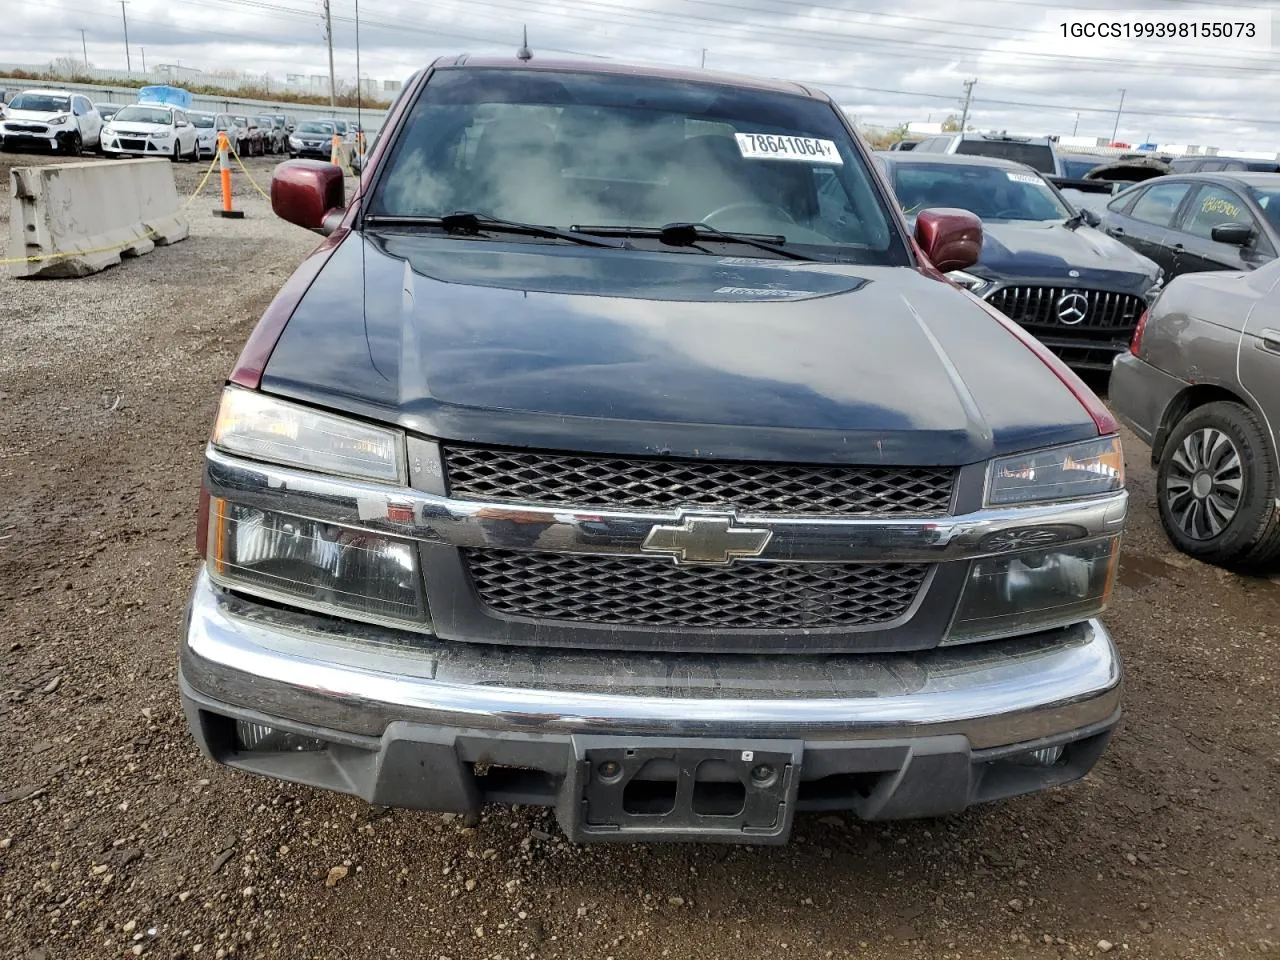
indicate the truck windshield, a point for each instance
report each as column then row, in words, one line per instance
column 1037, row 156
column 991, row 193
column 144, row 115
column 565, row 149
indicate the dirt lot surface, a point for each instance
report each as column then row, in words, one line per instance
column 117, row 839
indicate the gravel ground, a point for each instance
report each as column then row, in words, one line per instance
column 117, row 839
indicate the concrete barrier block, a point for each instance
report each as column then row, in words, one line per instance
column 94, row 211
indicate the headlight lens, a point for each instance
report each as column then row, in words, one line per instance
column 59, row 119
column 255, row 425
column 1087, row 469
column 1035, row 590
column 970, row 282
column 321, row 566
column 295, row 142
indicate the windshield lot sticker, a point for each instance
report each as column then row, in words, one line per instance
column 1022, row 177
column 767, row 146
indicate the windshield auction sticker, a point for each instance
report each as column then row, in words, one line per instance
column 769, row 146
column 1022, row 177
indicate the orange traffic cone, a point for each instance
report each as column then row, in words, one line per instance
column 224, row 164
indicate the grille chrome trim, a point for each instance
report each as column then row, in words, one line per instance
column 475, row 524
column 496, row 475
column 654, row 593
column 1035, row 306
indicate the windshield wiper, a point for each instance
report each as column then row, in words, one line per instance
column 688, row 235
column 467, row 223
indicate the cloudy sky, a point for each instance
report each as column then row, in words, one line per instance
column 885, row 61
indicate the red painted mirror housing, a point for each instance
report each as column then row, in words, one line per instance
column 951, row 238
column 308, row 193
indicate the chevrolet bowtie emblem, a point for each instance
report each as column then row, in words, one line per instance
column 707, row 539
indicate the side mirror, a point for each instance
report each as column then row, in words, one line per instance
column 1236, row 234
column 951, row 238
column 1090, row 217
column 308, row 193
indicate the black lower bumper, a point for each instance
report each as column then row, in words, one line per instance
column 650, row 788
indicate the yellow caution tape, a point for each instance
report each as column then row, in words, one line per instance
column 149, row 235
column 266, row 196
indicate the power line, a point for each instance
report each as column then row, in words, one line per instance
column 1042, row 106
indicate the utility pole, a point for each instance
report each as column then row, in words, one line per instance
column 968, row 97
column 128, row 62
column 84, row 47
column 704, row 58
column 328, row 35
column 1077, row 125
column 1116, row 128
column 144, row 61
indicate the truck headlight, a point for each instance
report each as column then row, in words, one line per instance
column 320, row 566
column 254, row 425
column 1035, row 590
column 1088, row 469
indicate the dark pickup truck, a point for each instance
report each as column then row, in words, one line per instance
column 620, row 450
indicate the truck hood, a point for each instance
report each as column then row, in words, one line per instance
column 1049, row 250
column 682, row 354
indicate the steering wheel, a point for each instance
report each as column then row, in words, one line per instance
column 748, row 205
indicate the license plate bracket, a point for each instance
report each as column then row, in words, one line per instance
column 667, row 789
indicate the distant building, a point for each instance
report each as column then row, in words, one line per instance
column 391, row 86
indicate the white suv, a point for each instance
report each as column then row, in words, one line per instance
column 151, row 130
column 62, row 121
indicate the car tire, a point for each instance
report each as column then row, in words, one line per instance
column 75, row 145
column 194, row 155
column 1211, row 451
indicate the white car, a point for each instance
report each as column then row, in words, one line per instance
column 150, row 130
column 206, row 133
column 62, row 121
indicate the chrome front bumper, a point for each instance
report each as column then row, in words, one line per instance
column 293, row 667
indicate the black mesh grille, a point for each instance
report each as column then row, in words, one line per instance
column 564, row 479
column 640, row 591
column 1037, row 308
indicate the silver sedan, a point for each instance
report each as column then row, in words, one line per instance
column 1201, row 384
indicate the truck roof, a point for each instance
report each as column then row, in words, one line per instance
column 634, row 70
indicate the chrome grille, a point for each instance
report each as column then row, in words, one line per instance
column 640, row 591
column 1037, row 307
column 760, row 488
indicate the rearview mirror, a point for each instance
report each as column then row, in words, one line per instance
column 1236, row 234
column 950, row 237
column 309, row 193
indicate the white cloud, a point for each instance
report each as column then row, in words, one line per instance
column 886, row 61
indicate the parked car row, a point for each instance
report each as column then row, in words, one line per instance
column 68, row 122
